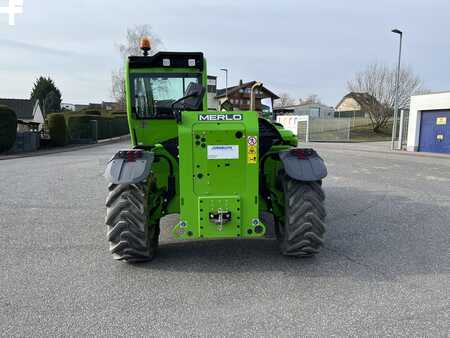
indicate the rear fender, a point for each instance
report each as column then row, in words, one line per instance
column 123, row 169
column 303, row 164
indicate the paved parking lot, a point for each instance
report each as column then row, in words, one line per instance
column 384, row 270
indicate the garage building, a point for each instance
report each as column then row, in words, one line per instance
column 429, row 123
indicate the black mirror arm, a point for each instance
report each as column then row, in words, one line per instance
column 177, row 111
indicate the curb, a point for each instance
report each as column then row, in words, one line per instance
column 66, row 149
column 394, row 152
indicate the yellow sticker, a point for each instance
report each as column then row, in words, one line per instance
column 441, row 121
column 252, row 150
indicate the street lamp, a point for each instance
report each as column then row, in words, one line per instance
column 226, row 81
column 397, row 85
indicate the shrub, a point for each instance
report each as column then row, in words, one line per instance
column 57, row 129
column 90, row 112
column 8, row 128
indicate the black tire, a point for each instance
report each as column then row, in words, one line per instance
column 301, row 233
column 129, row 233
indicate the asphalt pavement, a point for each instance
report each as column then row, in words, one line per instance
column 384, row 270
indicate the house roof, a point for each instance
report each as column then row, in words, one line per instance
column 22, row 107
column 308, row 105
column 231, row 90
column 365, row 100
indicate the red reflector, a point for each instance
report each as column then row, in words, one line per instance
column 130, row 155
column 300, row 153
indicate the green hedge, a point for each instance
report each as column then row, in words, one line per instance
column 8, row 128
column 57, row 129
column 90, row 112
column 79, row 126
column 67, row 126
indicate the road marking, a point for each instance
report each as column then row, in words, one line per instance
column 438, row 179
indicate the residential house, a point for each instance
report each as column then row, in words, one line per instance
column 239, row 96
column 28, row 114
column 311, row 109
column 355, row 105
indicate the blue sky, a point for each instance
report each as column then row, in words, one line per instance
column 298, row 47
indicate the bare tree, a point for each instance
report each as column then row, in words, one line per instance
column 312, row 98
column 285, row 100
column 131, row 47
column 378, row 80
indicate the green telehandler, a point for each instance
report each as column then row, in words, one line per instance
column 219, row 170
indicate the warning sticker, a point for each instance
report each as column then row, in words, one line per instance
column 252, row 141
column 441, row 121
column 252, row 150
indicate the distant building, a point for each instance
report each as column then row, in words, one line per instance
column 239, row 96
column 79, row 107
column 109, row 105
column 212, row 92
column 313, row 110
column 95, row 106
column 68, row 106
column 25, row 110
column 356, row 105
column 283, row 111
column 429, row 123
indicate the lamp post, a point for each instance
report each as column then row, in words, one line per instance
column 397, row 85
column 226, row 81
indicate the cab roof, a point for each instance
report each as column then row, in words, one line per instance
column 168, row 59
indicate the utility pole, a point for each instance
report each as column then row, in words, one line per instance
column 397, row 85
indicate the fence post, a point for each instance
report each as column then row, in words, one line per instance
column 307, row 129
column 400, row 136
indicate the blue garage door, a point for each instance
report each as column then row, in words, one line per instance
column 435, row 131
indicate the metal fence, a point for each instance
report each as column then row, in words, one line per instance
column 337, row 129
column 26, row 142
column 329, row 129
column 349, row 130
column 403, row 128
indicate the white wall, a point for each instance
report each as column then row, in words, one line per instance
column 419, row 103
column 38, row 117
column 290, row 122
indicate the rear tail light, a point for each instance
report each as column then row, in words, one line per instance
column 301, row 153
column 130, row 155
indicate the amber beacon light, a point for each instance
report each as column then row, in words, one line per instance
column 145, row 45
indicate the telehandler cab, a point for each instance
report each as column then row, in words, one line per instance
column 219, row 170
